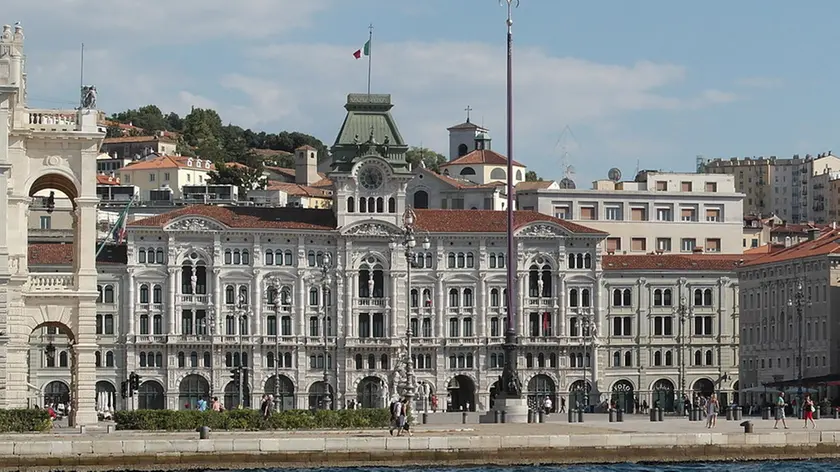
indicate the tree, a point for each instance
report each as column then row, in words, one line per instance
column 113, row 132
column 148, row 117
column 244, row 178
column 432, row 159
column 532, row 176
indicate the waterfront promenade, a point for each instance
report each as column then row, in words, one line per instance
column 596, row 440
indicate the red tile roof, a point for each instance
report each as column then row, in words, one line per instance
column 481, row 156
column 535, row 185
column 168, row 162
column 290, row 174
column 798, row 228
column 682, row 262
column 137, row 139
column 250, row 217
column 305, row 147
column 62, row 254
column 297, row 190
column 487, row 221
column 107, row 180
column 826, row 243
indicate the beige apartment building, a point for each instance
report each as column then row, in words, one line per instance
column 136, row 147
column 658, row 212
column 165, row 174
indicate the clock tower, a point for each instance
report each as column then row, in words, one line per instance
column 369, row 168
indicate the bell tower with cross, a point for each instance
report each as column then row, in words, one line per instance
column 465, row 137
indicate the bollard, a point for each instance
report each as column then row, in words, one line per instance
column 730, row 414
column 110, row 429
column 572, row 416
column 497, row 416
column 738, row 413
column 541, row 417
column 765, row 413
column 837, row 413
column 660, row 414
column 748, row 426
column 613, row 415
column 580, row 416
column 653, row 414
column 692, row 414
column 619, row 415
column 504, row 416
column 82, row 429
column 464, row 417
column 816, row 413
column 424, row 418
column 203, row 432
column 531, row 416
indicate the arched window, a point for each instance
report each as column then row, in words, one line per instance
column 158, row 359
column 160, row 257
column 246, row 257
column 144, row 294
column 143, row 359
column 709, row 357
column 97, row 359
column 628, row 359
column 228, row 256
column 498, row 174
column 450, row 260
column 109, row 359
column 463, row 150
column 269, row 257
column 467, row 171
column 351, row 205
column 182, row 360
column 208, row 359
column 616, row 359
column 657, row 358
column 359, row 363
column 230, row 295
column 157, row 294
column 468, row 297
column 494, row 297
column 453, row 298
column 109, row 294
column 421, row 199
column 392, row 205
column 698, row 357
column 193, row 359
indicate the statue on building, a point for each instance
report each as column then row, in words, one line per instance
column 89, row 97
column 193, row 281
column 371, row 285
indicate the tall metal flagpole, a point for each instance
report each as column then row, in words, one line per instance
column 511, row 387
column 370, row 52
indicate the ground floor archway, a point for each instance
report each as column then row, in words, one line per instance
column 371, row 393
column 494, row 392
column 461, row 394
column 703, row 388
column 541, row 387
column 318, row 398
column 106, row 396
column 663, row 395
column 622, row 396
column 736, row 396
column 192, row 389
column 579, row 393
column 231, row 398
column 150, row 396
column 283, row 391
column 56, row 393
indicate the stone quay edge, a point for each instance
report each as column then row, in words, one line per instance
column 68, row 453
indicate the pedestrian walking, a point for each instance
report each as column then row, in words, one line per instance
column 395, row 409
column 809, row 411
column 562, row 404
column 780, row 411
column 712, row 409
column 547, row 405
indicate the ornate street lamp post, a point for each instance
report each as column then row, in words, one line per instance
column 210, row 324
column 326, row 281
column 683, row 314
column 408, row 240
column 511, row 385
column 799, row 302
column 242, row 312
column 276, row 301
column 588, row 329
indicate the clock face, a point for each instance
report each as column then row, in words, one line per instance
column 371, row 178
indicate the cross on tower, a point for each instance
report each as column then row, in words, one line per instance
column 468, row 110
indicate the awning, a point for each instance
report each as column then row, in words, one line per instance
column 831, row 379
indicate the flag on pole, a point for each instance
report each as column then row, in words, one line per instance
column 117, row 232
column 365, row 50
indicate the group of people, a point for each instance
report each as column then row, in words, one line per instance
column 808, row 409
column 399, row 417
column 203, row 405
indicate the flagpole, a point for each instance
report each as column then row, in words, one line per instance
column 121, row 221
column 370, row 53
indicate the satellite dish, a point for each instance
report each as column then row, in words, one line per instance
column 614, row 174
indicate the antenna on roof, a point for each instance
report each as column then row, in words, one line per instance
column 82, row 72
column 565, row 163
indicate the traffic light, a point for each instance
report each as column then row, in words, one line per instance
column 124, row 388
column 234, row 375
column 134, row 381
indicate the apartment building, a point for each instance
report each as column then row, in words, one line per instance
column 657, row 212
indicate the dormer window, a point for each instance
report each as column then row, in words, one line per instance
column 206, row 164
column 189, row 162
column 198, row 163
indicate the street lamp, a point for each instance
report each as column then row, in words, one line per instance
column 275, row 300
column 210, row 325
column 799, row 301
column 407, row 239
column 326, row 281
column 587, row 324
column 511, row 385
column 242, row 312
column 683, row 313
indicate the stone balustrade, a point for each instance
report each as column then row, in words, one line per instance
column 51, row 283
column 50, row 120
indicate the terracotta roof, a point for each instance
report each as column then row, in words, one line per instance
column 107, row 180
column 487, row 221
column 168, row 162
column 282, row 171
column 305, row 147
column 460, row 183
column 136, row 139
column 766, row 249
column 297, row 190
column 827, row 243
column 536, row 185
column 721, row 262
column 290, row 174
column 481, row 156
column 250, row 217
column 797, row 228
column 62, row 254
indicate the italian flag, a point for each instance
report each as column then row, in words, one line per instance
column 365, row 50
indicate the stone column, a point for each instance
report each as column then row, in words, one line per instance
column 481, row 299
column 84, row 347
column 391, row 308
column 172, row 307
column 257, row 297
column 349, row 313
column 85, row 230
column 521, row 297
column 561, row 305
column 129, row 303
column 439, row 308
column 300, row 303
column 217, row 300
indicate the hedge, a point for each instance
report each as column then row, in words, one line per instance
column 189, row 420
column 24, row 420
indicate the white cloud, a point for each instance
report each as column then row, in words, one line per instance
column 165, row 22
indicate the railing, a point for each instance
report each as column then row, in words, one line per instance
column 371, row 341
column 539, row 302
column 50, row 120
column 272, row 339
column 197, row 299
column 377, row 302
column 51, row 282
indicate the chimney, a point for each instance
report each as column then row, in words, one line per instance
column 812, row 233
column 306, row 165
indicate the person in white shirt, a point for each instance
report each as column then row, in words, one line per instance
column 547, row 404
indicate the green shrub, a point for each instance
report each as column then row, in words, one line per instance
column 24, row 420
column 189, row 420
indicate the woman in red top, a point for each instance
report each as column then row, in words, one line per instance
column 808, row 405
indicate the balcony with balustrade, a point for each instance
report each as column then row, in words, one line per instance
column 50, row 284
column 58, row 121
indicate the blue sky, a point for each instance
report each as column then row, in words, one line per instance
column 655, row 82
